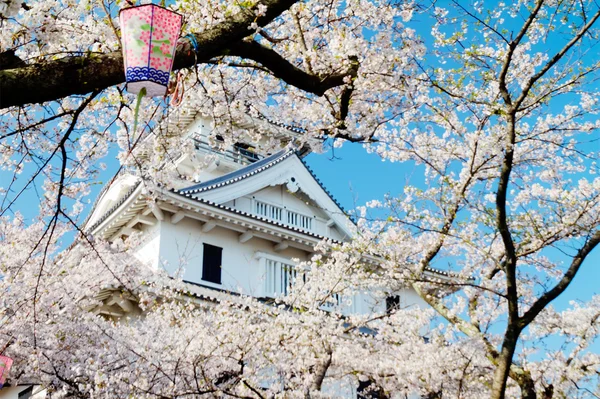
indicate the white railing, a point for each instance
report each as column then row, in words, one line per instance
column 269, row 211
column 279, row 278
column 280, row 214
column 297, row 219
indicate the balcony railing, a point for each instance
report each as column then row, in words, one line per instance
column 237, row 154
column 269, row 211
column 299, row 220
column 280, row 214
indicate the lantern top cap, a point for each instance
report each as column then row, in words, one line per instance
column 149, row 5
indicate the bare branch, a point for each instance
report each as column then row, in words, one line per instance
column 284, row 70
column 564, row 282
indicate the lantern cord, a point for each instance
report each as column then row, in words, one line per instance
column 141, row 94
column 178, row 91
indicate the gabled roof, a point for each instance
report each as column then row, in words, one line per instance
column 134, row 196
column 252, row 216
column 283, row 168
column 253, row 169
column 239, row 174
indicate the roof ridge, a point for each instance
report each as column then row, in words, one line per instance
column 239, row 174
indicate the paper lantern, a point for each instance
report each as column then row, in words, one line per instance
column 149, row 35
column 5, row 364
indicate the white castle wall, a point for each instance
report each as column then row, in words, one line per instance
column 181, row 246
column 179, row 249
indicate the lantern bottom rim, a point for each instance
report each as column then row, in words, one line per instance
column 153, row 89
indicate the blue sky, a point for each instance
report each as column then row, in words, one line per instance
column 354, row 177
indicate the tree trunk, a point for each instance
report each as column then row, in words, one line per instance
column 504, row 362
column 527, row 386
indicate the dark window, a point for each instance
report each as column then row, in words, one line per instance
column 211, row 263
column 392, row 303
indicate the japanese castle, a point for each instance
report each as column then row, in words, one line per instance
column 236, row 230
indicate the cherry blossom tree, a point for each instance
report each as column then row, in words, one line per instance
column 494, row 104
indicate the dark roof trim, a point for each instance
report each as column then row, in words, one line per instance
column 114, row 207
column 239, row 174
column 254, row 169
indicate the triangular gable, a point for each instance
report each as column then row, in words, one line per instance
column 284, row 168
column 110, row 198
column 237, row 175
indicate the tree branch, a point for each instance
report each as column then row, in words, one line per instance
column 564, row 282
column 55, row 79
column 511, row 49
column 555, row 59
column 289, row 73
column 322, row 370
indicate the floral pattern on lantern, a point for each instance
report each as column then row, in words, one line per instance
column 5, row 364
column 149, row 37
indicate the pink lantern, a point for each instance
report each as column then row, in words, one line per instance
column 5, row 364
column 149, row 34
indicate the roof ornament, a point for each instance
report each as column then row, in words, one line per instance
column 292, row 185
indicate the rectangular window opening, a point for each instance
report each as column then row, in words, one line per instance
column 211, row 263
column 392, row 303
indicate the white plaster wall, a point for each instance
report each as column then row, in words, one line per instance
column 370, row 303
column 374, row 303
column 181, row 248
column 410, row 299
column 243, row 204
column 148, row 251
column 280, row 196
column 201, row 126
column 11, row 392
column 334, row 233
